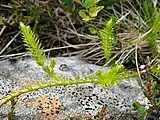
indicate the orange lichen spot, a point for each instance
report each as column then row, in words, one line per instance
column 101, row 113
column 49, row 108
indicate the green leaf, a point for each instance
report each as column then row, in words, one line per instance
column 68, row 3
column 153, row 85
column 52, row 64
column 89, row 3
column 92, row 30
column 2, row 19
column 79, row 2
column 142, row 111
column 158, row 104
column 96, row 1
column 136, row 105
column 93, row 11
column 84, row 16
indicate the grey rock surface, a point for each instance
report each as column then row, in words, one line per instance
column 77, row 100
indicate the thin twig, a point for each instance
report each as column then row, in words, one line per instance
column 136, row 58
column 47, row 50
column 91, row 51
column 73, row 27
column 9, row 7
column 9, row 43
column 123, row 17
column 4, row 26
column 6, row 6
column 81, row 35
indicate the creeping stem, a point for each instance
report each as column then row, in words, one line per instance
column 37, row 87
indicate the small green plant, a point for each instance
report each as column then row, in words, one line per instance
column 68, row 3
column 32, row 12
column 106, row 79
column 148, row 31
column 11, row 113
column 139, row 26
column 108, row 37
column 151, row 87
column 2, row 20
column 91, row 9
column 150, row 73
column 33, row 45
column 141, row 110
column 151, row 16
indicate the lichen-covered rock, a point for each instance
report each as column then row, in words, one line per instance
column 90, row 101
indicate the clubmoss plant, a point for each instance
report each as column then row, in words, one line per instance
column 107, row 36
column 151, row 16
column 32, row 42
column 106, row 78
column 139, row 25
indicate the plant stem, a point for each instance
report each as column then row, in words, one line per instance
column 37, row 87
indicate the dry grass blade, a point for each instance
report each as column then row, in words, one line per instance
column 4, row 27
column 9, row 43
column 45, row 50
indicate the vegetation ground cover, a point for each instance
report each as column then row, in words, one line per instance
column 120, row 32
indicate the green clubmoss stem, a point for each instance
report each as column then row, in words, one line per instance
column 37, row 87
